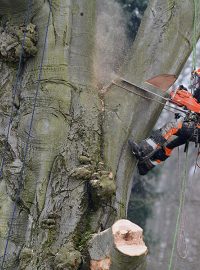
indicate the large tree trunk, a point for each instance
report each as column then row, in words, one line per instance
column 162, row 46
column 78, row 168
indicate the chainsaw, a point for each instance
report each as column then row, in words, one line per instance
column 180, row 97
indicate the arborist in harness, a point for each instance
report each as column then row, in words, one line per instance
column 158, row 147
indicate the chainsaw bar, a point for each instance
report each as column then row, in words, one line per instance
column 148, row 91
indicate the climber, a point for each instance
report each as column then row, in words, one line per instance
column 158, row 147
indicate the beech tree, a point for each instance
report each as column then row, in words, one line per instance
column 67, row 168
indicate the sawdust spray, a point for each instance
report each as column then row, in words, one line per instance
column 111, row 41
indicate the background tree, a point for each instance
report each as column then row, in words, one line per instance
column 76, row 177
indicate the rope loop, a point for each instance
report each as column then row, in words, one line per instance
column 179, row 228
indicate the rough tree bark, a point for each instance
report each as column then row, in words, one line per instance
column 78, row 169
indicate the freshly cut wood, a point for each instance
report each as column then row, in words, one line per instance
column 120, row 247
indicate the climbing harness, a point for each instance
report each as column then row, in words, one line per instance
column 25, row 150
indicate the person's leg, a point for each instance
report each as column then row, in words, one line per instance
column 165, row 151
column 183, row 132
column 157, row 139
column 160, row 155
column 152, row 151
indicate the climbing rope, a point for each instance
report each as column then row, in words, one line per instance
column 180, row 211
column 15, row 87
column 193, row 80
column 179, row 229
column 25, row 150
column 180, row 221
column 196, row 160
column 181, row 236
column 194, row 61
column 194, row 51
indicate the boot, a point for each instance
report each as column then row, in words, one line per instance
column 141, row 151
column 145, row 166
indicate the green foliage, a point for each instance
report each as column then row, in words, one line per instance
column 134, row 10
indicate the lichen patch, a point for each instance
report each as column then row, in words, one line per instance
column 15, row 39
